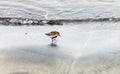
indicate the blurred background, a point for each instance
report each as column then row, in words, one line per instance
column 60, row 9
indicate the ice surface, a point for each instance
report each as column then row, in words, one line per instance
column 82, row 48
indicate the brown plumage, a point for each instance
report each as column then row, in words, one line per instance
column 53, row 35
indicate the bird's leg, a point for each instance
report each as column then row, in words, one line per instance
column 55, row 40
column 52, row 40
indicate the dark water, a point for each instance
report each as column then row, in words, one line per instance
column 27, row 21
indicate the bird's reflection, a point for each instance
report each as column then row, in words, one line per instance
column 53, row 45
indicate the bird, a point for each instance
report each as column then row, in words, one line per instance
column 53, row 35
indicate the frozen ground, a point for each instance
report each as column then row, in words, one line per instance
column 84, row 48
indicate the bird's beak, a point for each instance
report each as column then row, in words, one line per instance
column 59, row 35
